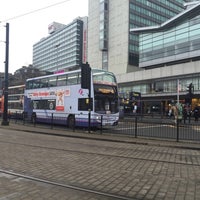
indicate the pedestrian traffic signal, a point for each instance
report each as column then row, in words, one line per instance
column 85, row 76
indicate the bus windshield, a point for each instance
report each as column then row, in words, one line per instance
column 103, row 77
column 106, row 99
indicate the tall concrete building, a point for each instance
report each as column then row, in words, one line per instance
column 64, row 49
column 111, row 46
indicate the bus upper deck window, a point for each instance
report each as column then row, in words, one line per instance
column 29, row 85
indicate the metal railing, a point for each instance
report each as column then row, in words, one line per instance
column 163, row 128
column 136, row 126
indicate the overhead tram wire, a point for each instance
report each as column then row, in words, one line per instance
column 34, row 11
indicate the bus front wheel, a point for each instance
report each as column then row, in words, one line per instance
column 71, row 121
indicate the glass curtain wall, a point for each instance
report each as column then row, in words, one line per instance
column 176, row 43
column 148, row 13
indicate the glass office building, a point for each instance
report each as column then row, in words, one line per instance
column 177, row 40
column 169, row 59
column 149, row 13
column 62, row 50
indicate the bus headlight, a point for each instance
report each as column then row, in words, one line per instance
column 98, row 117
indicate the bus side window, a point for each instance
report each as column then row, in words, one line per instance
column 62, row 80
column 36, row 84
column 52, row 82
column 29, row 85
column 44, row 83
column 72, row 79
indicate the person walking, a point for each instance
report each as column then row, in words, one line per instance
column 196, row 114
column 134, row 108
column 175, row 112
column 185, row 114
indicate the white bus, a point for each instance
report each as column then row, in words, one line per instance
column 59, row 97
column 15, row 101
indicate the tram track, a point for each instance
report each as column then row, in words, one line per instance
column 45, row 181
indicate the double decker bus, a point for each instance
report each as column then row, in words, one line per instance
column 60, row 96
column 15, row 101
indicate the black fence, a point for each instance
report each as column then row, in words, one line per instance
column 136, row 126
column 163, row 128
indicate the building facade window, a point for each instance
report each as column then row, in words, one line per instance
column 105, row 60
column 103, row 25
column 166, row 87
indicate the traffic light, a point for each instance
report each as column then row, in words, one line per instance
column 189, row 95
column 190, row 90
column 85, row 76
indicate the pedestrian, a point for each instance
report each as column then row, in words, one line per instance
column 196, row 114
column 185, row 114
column 175, row 112
column 170, row 113
column 134, row 108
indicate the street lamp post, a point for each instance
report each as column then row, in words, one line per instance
column 5, row 111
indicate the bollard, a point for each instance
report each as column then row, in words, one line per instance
column 101, row 124
column 16, row 117
column 24, row 118
column 51, row 120
column 89, row 120
column 74, row 125
column 135, row 127
column 177, row 133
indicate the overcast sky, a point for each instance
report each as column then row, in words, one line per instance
column 27, row 29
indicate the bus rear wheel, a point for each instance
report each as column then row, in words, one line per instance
column 71, row 121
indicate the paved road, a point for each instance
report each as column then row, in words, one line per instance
column 41, row 166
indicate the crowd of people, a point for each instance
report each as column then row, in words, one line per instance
column 184, row 112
